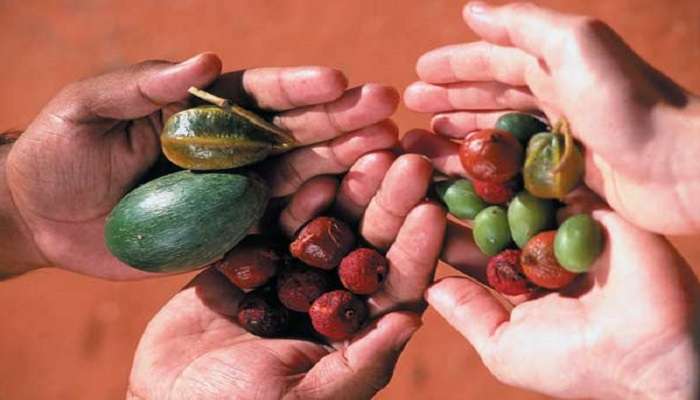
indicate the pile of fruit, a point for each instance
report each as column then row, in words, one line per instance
column 518, row 228
column 202, row 215
column 315, row 285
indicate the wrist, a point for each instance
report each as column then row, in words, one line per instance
column 18, row 251
column 682, row 125
column 669, row 372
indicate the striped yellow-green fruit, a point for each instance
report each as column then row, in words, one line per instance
column 220, row 136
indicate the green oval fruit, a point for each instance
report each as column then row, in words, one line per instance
column 521, row 125
column 528, row 216
column 460, row 198
column 491, row 231
column 211, row 137
column 579, row 241
column 184, row 220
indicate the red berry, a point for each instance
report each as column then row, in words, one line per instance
column 323, row 242
column 491, row 155
column 495, row 193
column 249, row 265
column 299, row 286
column 505, row 274
column 338, row 314
column 260, row 313
column 363, row 271
column 541, row 266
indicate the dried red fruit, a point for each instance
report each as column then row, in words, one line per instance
column 491, row 155
column 505, row 274
column 323, row 242
column 363, row 271
column 299, row 286
column 249, row 265
column 260, row 313
column 337, row 315
column 495, row 193
column 540, row 265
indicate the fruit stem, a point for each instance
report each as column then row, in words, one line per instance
column 286, row 141
column 208, row 97
column 563, row 127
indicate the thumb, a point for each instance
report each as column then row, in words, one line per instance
column 134, row 91
column 361, row 369
column 470, row 309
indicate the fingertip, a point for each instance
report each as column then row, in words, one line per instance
column 417, row 166
column 386, row 97
column 412, row 95
column 410, row 142
column 331, row 83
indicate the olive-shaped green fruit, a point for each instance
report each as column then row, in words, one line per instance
column 184, row 220
column 460, row 198
column 521, row 125
column 579, row 241
column 528, row 216
column 491, row 231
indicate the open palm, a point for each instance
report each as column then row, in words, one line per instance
column 98, row 137
column 635, row 123
column 620, row 331
column 194, row 348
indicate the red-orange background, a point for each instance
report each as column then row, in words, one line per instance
column 64, row 336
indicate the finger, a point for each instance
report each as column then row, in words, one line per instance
column 426, row 97
column 312, row 199
column 470, row 309
column 395, row 199
column 365, row 366
column 461, row 252
column 132, row 92
column 477, row 61
column 442, row 152
column 281, row 88
column 361, row 183
column 288, row 172
column 537, row 31
column 458, row 124
column 412, row 261
column 357, row 108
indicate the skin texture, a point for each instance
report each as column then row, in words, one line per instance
column 221, row 360
column 576, row 343
column 640, row 130
column 96, row 138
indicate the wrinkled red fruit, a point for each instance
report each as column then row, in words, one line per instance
column 540, row 265
column 505, row 274
column 260, row 313
column 337, row 315
column 491, row 155
column 495, row 193
column 249, row 265
column 363, row 271
column 323, row 242
column 299, row 286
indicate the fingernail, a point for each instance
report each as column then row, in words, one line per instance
column 190, row 60
column 402, row 338
column 477, row 8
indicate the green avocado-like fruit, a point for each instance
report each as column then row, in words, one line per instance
column 521, row 125
column 528, row 216
column 184, row 220
column 460, row 198
column 578, row 243
column 491, row 231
